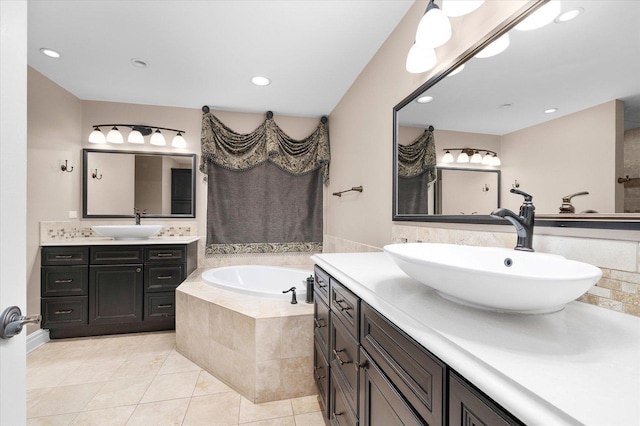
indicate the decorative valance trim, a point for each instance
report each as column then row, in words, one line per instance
column 418, row 157
column 296, row 247
column 235, row 151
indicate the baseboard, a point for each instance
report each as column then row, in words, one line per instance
column 37, row 339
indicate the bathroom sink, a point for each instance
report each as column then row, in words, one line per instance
column 497, row 279
column 127, row 232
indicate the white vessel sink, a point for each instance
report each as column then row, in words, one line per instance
column 127, row 232
column 495, row 278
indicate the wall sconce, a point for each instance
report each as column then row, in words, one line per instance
column 472, row 155
column 137, row 134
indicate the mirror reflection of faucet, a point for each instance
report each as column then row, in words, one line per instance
column 567, row 207
column 523, row 221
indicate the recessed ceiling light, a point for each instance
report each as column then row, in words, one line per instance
column 568, row 15
column 139, row 63
column 50, row 52
column 550, row 110
column 260, row 81
column 424, row 99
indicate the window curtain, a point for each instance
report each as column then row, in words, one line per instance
column 264, row 188
column 416, row 170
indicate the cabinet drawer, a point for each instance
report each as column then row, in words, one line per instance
column 64, row 280
column 346, row 307
column 321, row 284
column 174, row 254
column 468, row 406
column 344, row 361
column 321, row 325
column 116, row 255
column 321, row 376
column 159, row 306
column 340, row 413
column 52, row 256
column 163, row 277
column 64, row 311
column 416, row 374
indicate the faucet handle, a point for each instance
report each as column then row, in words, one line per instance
column 527, row 198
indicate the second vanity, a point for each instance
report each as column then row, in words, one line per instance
column 388, row 347
column 95, row 286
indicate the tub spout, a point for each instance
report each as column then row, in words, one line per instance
column 293, row 295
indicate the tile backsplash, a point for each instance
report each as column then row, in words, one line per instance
column 51, row 231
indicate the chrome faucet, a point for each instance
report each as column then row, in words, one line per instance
column 523, row 222
column 137, row 213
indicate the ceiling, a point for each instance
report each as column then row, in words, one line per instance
column 205, row 52
column 571, row 66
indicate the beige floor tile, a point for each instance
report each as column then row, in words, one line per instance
column 280, row 421
column 94, row 370
column 216, row 409
column 49, row 375
column 140, row 365
column 105, row 417
column 250, row 412
column 64, row 399
column 177, row 363
column 171, row 386
column 59, row 420
column 208, row 384
column 121, row 392
column 310, row 419
column 305, row 404
column 163, row 413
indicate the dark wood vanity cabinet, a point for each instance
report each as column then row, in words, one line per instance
column 379, row 375
column 93, row 290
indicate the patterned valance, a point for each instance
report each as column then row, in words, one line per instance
column 418, row 157
column 235, row 151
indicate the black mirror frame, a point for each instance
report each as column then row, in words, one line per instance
column 85, row 174
column 503, row 28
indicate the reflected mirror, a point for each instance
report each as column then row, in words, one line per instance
column 560, row 107
column 115, row 183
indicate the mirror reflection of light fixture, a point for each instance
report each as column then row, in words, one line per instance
column 434, row 28
column 472, row 155
column 496, row 47
column 541, row 17
column 137, row 135
column 460, row 7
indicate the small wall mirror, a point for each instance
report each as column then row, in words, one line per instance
column 115, row 183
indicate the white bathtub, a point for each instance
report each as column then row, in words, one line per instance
column 264, row 281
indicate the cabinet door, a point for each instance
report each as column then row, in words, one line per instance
column 321, row 376
column 380, row 402
column 115, row 294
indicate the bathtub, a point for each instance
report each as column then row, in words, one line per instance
column 263, row 281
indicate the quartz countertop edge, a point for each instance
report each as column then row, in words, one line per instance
column 559, row 368
column 105, row 241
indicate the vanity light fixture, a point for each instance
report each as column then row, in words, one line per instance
column 472, row 155
column 496, row 47
column 434, row 28
column 137, row 135
column 541, row 17
column 420, row 59
column 460, row 7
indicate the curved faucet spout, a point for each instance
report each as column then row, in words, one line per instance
column 523, row 223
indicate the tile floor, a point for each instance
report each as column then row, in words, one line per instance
column 140, row 379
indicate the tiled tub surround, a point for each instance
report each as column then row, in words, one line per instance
column 262, row 348
column 618, row 289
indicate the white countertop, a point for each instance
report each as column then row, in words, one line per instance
column 577, row 366
column 104, row 241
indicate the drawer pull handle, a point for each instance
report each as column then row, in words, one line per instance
column 164, row 277
column 165, row 255
column 363, row 365
column 318, row 325
column 164, row 306
column 335, row 418
column 315, row 373
column 68, row 311
column 321, row 283
column 341, row 306
column 63, row 256
column 63, row 281
column 340, row 360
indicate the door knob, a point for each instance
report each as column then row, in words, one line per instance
column 12, row 321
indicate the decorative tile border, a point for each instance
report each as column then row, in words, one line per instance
column 67, row 230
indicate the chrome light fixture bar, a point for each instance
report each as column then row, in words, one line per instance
column 137, row 134
column 472, row 155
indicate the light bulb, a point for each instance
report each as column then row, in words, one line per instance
column 135, row 137
column 114, row 136
column 476, row 158
column 447, row 157
column 463, row 158
column 178, row 141
column 495, row 161
column 460, row 7
column 497, row 46
column 157, row 139
column 486, row 160
column 97, row 136
column 420, row 59
column 541, row 17
column 434, row 28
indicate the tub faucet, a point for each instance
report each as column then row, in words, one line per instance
column 293, row 295
column 523, row 222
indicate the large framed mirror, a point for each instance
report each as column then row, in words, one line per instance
column 117, row 183
column 560, row 107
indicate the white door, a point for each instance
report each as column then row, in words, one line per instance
column 13, row 203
